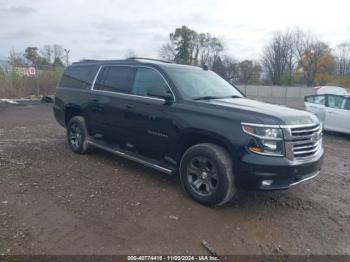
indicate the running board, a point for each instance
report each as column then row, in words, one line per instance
column 141, row 160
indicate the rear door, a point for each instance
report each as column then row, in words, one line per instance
column 109, row 103
column 316, row 104
column 338, row 114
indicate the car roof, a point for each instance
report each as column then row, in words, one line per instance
column 331, row 90
column 135, row 60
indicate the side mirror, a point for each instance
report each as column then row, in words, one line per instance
column 160, row 92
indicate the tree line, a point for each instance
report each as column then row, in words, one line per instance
column 49, row 57
column 49, row 62
column 291, row 57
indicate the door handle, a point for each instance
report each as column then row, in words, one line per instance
column 96, row 106
column 129, row 107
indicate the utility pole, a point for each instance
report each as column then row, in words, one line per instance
column 37, row 79
column 67, row 55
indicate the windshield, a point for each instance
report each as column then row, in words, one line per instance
column 196, row 84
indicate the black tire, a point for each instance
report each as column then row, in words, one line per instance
column 77, row 135
column 206, row 174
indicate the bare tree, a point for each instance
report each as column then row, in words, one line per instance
column 16, row 59
column 204, row 43
column 290, row 38
column 279, row 57
column 342, row 53
column 168, row 52
column 46, row 52
column 216, row 48
column 57, row 51
column 231, row 69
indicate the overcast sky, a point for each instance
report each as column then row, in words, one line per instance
column 108, row 28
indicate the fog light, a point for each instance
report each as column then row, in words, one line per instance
column 256, row 149
column 267, row 182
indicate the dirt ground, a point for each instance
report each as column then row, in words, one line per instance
column 53, row 201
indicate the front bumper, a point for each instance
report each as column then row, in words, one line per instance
column 273, row 173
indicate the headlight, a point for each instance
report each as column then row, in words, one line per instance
column 268, row 140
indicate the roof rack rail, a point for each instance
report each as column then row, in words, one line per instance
column 145, row 58
column 121, row 60
column 96, row 61
column 87, row 60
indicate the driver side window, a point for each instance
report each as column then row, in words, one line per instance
column 316, row 99
column 147, row 78
column 319, row 100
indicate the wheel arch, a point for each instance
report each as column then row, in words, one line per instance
column 191, row 137
column 71, row 111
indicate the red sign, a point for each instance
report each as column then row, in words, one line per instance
column 31, row 71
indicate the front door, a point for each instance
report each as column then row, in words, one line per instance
column 316, row 104
column 149, row 119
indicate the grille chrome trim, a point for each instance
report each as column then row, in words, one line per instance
column 303, row 131
column 305, row 147
column 303, row 142
column 296, row 153
column 306, row 179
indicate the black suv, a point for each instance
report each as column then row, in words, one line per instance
column 188, row 121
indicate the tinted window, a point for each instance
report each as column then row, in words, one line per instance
column 78, row 77
column 316, row 99
column 145, row 79
column 336, row 101
column 309, row 99
column 347, row 105
column 118, row 79
column 319, row 100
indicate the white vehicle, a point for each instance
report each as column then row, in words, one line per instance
column 332, row 109
column 334, row 90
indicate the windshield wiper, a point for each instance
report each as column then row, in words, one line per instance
column 207, row 97
column 234, row 96
column 215, row 97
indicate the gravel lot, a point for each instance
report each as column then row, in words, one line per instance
column 53, row 201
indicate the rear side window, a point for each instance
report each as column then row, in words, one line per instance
column 347, row 105
column 336, row 101
column 147, row 78
column 117, row 79
column 80, row 77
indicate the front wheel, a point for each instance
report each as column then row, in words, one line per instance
column 206, row 174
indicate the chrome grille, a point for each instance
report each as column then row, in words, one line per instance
column 303, row 141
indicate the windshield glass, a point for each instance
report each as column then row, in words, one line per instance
column 194, row 84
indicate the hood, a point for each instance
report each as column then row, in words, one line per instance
column 265, row 111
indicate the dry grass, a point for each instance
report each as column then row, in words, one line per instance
column 14, row 86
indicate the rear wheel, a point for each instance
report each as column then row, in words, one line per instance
column 77, row 135
column 206, row 174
